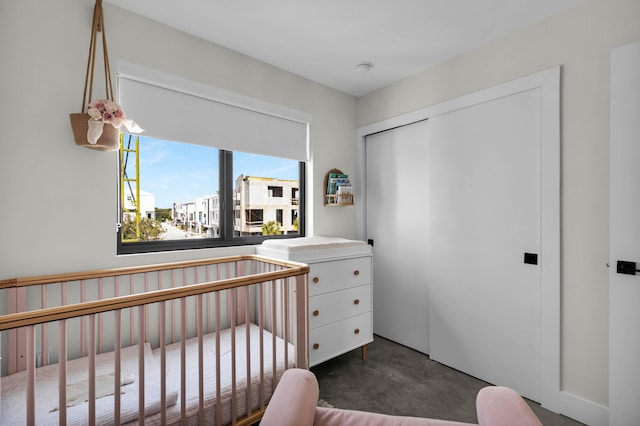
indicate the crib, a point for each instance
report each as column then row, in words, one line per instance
column 197, row 342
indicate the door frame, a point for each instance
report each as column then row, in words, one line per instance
column 548, row 83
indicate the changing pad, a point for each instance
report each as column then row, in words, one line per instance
column 310, row 243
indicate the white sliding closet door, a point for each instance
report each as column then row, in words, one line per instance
column 483, row 168
column 396, row 221
column 624, row 244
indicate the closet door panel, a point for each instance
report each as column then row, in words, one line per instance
column 483, row 167
column 624, row 289
column 396, row 221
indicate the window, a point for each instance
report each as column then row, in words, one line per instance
column 254, row 217
column 180, row 185
column 212, row 186
column 275, row 191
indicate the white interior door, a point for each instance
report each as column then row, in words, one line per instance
column 624, row 290
column 483, row 167
column 396, row 211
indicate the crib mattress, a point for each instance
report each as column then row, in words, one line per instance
column 14, row 391
column 174, row 413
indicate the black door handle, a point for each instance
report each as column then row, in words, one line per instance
column 627, row 268
column 531, row 258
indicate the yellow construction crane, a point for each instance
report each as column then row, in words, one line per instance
column 130, row 186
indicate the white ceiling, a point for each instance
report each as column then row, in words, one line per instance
column 324, row 40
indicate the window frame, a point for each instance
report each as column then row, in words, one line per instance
column 226, row 211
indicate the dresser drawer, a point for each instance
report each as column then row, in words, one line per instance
column 331, row 276
column 331, row 307
column 339, row 337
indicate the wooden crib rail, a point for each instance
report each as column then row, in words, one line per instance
column 46, row 315
column 130, row 270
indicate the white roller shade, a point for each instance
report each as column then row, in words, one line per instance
column 197, row 117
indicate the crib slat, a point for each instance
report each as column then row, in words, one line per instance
column 239, row 305
column 173, row 308
column 62, row 371
column 200, row 358
column 285, row 314
column 62, row 360
column 117, row 345
column 117, row 397
column 234, row 406
column 218, row 379
column 43, row 304
column 261, row 326
column 92, row 370
column 141, row 373
column 247, row 304
column 274, row 326
column 131, row 314
column 31, row 374
column 146, row 307
column 208, row 307
column 83, row 321
column 163, row 360
column 100, row 319
column 183, row 357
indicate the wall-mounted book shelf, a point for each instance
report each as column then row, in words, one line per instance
column 337, row 189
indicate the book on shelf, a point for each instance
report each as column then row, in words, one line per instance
column 344, row 189
column 336, row 180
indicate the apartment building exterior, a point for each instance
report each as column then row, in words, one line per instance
column 200, row 216
column 257, row 200
column 147, row 205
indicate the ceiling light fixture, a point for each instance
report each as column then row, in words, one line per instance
column 364, row 67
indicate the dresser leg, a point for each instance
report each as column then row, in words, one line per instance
column 364, row 352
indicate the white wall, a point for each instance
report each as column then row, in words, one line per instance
column 67, row 194
column 43, row 51
column 580, row 40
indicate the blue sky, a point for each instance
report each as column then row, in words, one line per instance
column 180, row 172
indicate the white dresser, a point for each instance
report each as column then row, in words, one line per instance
column 340, row 291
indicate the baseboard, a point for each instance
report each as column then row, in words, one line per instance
column 583, row 410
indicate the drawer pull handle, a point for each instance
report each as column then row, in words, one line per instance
column 356, row 272
column 316, row 346
column 316, row 313
column 356, row 302
column 316, row 279
column 356, row 331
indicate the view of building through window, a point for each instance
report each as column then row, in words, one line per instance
column 170, row 191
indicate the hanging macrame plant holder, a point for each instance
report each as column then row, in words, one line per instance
column 87, row 131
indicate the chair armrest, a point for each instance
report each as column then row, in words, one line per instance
column 294, row 401
column 502, row 406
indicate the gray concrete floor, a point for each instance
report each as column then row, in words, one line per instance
column 400, row 381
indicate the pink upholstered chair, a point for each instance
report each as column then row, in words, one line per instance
column 294, row 404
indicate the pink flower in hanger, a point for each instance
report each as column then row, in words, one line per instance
column 107, row 111
column 110, row 112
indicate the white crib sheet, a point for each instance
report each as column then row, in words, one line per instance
column 14, row 391
column 192, row 376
